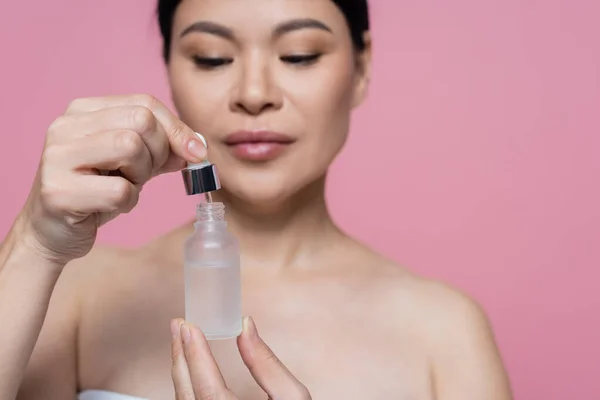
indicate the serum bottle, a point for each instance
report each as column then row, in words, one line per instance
column 211, row 261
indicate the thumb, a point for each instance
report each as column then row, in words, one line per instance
column 184, row 142
column 268, row 371
column 196, row 151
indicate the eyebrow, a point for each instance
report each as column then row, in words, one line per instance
column 297, row 24
column 213, row 28
column 210, row 28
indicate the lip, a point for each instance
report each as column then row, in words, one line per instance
column 258, row 145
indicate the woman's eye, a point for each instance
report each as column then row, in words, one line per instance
column 301, row 59
column 211, row 62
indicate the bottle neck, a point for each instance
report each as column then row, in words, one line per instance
column 210, row 213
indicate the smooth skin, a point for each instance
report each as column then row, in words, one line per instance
column 340, row 321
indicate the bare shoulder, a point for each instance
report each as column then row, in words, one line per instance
column 84, row 276
column 456, row 331
column 449, row 311
column 466, row 361
column 52, row 369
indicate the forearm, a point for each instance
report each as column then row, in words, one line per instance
column 26, row 285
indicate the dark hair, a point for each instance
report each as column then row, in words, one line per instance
column 356, row 13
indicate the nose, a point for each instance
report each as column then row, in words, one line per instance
column 256, row 90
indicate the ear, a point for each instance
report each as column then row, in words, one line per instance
column 363, row 71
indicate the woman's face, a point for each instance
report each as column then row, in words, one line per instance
column 270, row 84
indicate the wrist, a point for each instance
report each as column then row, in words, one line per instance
column 21, row 248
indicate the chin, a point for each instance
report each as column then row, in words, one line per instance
column 258, row 193
column 263, row 190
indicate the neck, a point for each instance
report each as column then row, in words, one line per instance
column 288, row 234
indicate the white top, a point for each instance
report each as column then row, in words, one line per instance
column 105, row 395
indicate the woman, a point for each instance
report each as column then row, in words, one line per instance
column 344, row 321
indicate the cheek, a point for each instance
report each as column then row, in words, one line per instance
column 197, row 100
column 324, row 98
column 322, row 90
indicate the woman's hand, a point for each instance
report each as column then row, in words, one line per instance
column 196, row 374
column 97, row 157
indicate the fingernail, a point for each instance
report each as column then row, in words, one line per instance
column 249, row 327
column 186, row 333
column 197, row 149
column 202, row 139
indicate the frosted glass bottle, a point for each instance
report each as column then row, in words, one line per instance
column 212, row 275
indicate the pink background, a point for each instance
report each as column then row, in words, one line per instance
column 481, row 138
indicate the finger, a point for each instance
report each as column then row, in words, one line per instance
column 83, row 195
column 175, row 163
column 179, row 370
column 268, row 371
column 204, row 371
column 182, row 139
column 124, row 151
column 135, row 118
